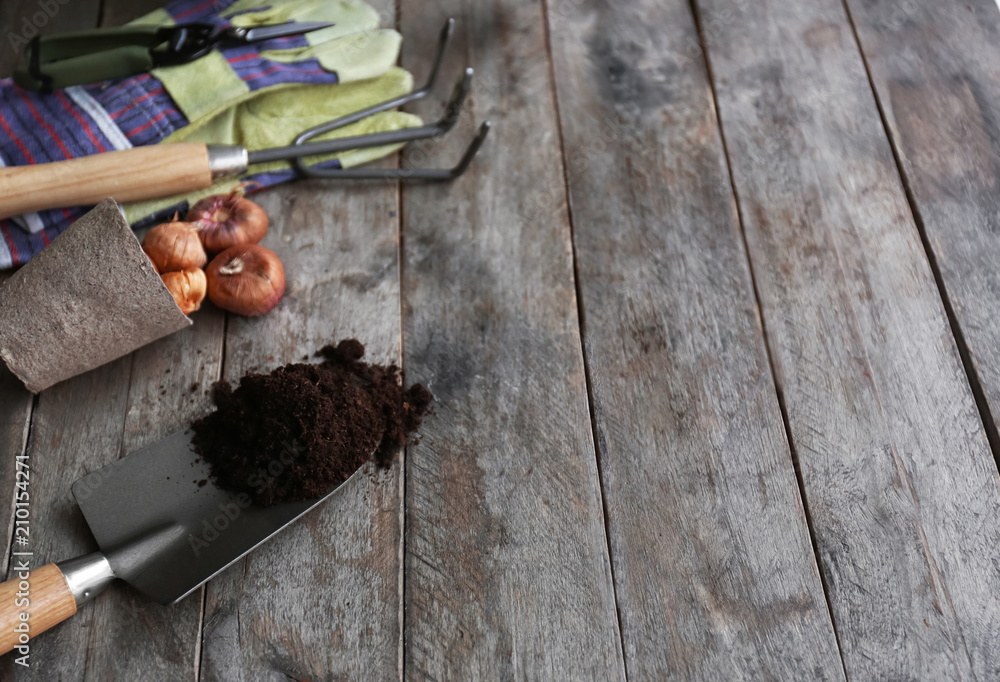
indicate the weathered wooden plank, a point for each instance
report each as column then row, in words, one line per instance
column 139, row 639
column 507, row 570
column 897, row 472
column 321, row 601
column 936, row 73
column 703, row 504
column 76, row 428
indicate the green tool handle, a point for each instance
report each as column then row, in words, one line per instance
column 89, row 56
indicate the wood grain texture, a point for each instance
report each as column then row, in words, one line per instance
column 79, row 426
column 507, row 570
column 936, row 73
column 76, row 428
column 321, row 601
column 702, row 499
column 130, row 175
column 45, row 600
column 168, row 388
column 897, row 472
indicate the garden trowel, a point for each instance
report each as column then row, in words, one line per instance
column 161, row 525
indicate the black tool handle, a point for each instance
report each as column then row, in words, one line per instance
column 65, row 59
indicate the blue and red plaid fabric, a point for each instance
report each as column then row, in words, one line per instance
column 82, row 120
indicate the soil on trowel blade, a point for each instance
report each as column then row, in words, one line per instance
column 298, row 432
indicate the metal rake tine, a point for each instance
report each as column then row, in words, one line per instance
column 454, row 108
column 445, row 36
column 446, row 31
column 472, row 150
column 297, row 152
column 409, row 174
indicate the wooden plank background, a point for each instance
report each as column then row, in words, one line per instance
column 897, row 472
column 702, row 412
column 507, row 571
column 936, row 74
column 686, row 414
column 321, row 601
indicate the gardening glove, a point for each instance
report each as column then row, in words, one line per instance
column 160, row 106
column 275, row 119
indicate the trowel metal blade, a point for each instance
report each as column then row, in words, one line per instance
column 165, row 534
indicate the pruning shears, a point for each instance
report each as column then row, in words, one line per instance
column 62, row 60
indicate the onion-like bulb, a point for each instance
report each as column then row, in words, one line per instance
column 188, row 288
column 247, row 280
column 174, row 246
column 226, row 220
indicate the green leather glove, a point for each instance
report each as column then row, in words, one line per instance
column 271, row 112
column 258, row 95
column 274, row 119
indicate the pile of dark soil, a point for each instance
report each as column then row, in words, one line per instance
column 298, row 432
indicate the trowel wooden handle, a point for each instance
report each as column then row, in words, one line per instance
column 43, row 595
column 130, row 175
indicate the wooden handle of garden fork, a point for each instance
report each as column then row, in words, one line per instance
column 43, row 595
column 130, row 175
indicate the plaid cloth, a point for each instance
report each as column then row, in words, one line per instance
column 114, row 115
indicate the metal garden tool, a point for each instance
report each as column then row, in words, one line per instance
column 157, row 530
column 168, row 169
column 66, row 59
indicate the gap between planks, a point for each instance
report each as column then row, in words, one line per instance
column 982, row 404
column 397, row 9
column 582, row 323
column 199, row 647
column 779, row 389
column 773, row 295
column 25, row 439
